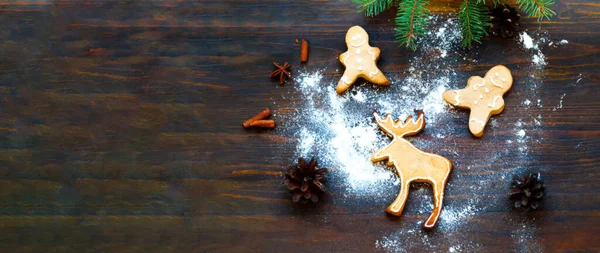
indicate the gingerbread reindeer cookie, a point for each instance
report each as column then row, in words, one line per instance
column 412, row 164
column 483, row 96
column 359, row 60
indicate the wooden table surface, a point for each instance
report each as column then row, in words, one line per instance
column 120, row 131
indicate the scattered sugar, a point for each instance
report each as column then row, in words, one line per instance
column 527, row 40
column 393, row 244
column 578, row 79
column 339, row 130
column 558, row 43
column 538, row 120
column 521, row 133
column 453, row 217
column 359, row 96
column 342, row 137
column 309, row 140
column 560, row 102
column 524, row 238
column 538, row 58
column 521, row 137
column 443, row 53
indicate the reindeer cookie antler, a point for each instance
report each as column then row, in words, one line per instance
column 412, row 164
column 483, row 96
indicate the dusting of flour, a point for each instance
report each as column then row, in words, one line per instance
column 538, row 58
column 340, row 131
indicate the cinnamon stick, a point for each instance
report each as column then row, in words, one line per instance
column 304, row 51
column 262, row 115
column 263, row 123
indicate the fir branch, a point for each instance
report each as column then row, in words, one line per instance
column 373, row 7
column 537, row 8
column 494, row 1
column 473, row 17
column 411, row 21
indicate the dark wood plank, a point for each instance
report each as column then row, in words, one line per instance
column 120, row 131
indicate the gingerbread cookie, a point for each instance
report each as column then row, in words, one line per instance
column 483, row 96
column 412, row 164
column 359, row 60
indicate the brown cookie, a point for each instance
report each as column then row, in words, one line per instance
column 412, row 164
column 483, row 96
column 359, row 60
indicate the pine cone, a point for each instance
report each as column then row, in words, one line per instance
column 306, row 181
column 527, row 191
column 504, row 20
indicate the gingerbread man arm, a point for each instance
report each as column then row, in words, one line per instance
column 345, row 82
column 497, row 105
column 374, row 52
column 343, row 58
column 452, row 97
column 375, row 76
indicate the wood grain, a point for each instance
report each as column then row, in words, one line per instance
column 120, row 130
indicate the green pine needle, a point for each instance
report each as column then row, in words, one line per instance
column 412, row 17
column 473, row 17
column 411, row 22
column 373, row 7
column 537, row 8
column 484, row 1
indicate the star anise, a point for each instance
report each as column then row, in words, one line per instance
column 281, row 71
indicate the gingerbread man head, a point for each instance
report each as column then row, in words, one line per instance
column 357, row 37
column 483, row 96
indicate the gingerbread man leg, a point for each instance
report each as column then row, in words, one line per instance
column 477, row 120
column 347, row 80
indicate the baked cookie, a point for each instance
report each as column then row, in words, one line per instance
column 412, row 164
column 483, row 96
column 359, row 60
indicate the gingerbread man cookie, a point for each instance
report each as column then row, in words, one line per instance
column 412, row 164
column 359, row 60
column 483, row 96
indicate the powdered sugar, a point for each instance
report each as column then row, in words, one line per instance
column 560, row 103
column 340, row 131
column 524, row 238
column 343, row 138
column 527, row 41
column 538, row 57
